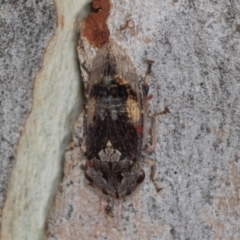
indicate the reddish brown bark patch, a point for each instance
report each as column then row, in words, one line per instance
column 94, row 28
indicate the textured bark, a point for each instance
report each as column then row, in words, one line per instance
column 195, row 46
column 196, row 49
column 25, row 28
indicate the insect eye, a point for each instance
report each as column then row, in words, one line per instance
column 104, row 191
column 141, row 177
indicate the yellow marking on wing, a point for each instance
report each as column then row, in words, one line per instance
column 120, row 80
column 133, row 110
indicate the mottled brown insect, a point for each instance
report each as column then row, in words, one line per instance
column 115, row 133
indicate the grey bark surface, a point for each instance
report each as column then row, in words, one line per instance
column 25, row 29
column 196, row 49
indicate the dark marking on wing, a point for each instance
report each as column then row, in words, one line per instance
column 111, row 121
column 116, row 99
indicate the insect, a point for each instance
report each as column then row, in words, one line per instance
column 115, row 122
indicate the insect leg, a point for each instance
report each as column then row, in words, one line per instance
column 152, row 147
column 152, row 164
column 153, row 128
column 145, row 88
